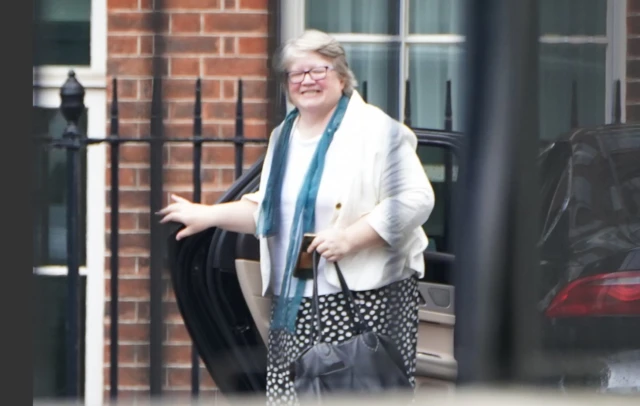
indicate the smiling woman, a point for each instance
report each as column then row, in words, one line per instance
column 365, row 210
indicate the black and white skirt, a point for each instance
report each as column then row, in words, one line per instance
column 391, row 310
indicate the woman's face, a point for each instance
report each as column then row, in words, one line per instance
column 317, row 90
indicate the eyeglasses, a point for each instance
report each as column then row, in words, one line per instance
column 317, row 73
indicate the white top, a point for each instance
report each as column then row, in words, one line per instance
column 301, row 152
column 371, row 169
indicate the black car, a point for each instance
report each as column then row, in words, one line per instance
column 589, row 282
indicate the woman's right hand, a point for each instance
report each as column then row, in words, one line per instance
column 196, row 217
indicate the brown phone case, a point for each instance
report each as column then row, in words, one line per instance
column 304, row 265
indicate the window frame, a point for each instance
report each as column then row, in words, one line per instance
column 293, row 24
column 92, row 75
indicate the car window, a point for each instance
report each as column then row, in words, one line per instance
column 441, row 166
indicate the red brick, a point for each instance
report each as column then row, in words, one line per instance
column 633, row 68
column 185, row 66
column 633, row 25
column 252, row 46
column 146, row 44
column 185, row 89
column 134, row 66
column 185, row 23
column 179, row 377
column 633, row 6
column 178, row 354
column 235, row 67
column 126, row 221
column 255, row 131
column 227, row 110
column 254, row 89
column 143, row 225
column 122, row 4
column 633, row 113
column 138, row 153
column 254, row 4
column 126, row 265
column 229, row 46
column 129, row 288
column 633, row 91
column 122, row 45
column 191, row 4
column 219, row 155
column 126, row 355
column 134, row 110
column 133, row 376
column 130, row 332
column 133, row 199
column 183, row 176
column 181, row 110
column 137, row 22
column 244, row 23
column 135, row 244
column 191, row 45
column 229, row 89
column 127, row 89
column 172, row 313
column 219, row 110
column 177, row 333
column 127, row 311
column 229, row 4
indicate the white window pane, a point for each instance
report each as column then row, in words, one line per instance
column 430, row 66
column 353, row 16
column 378, row 65
column 62, row 32
column 435, row 16
column 573, row 17
column 560, row 64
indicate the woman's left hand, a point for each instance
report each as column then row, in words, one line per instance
column 331, row 244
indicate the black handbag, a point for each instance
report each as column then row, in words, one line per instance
column 368, row 362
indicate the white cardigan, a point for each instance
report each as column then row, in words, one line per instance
column 374, row 169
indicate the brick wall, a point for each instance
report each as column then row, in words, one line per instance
column 219, row 41
column 633, row 61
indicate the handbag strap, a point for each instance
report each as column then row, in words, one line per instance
column 351, row 301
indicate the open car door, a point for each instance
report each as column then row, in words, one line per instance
column 217, row 282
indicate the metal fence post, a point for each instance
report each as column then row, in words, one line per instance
column 197, row 198
column 114, row 241
column 239, row 138
column 72, row 107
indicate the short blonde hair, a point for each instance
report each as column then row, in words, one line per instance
column 320, row 43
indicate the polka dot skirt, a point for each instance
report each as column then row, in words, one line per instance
column 390, row 310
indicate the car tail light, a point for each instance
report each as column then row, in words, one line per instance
column 612, row 294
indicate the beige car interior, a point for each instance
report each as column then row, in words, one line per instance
column 435, row 363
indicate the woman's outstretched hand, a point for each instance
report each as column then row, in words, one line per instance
column 196, row 217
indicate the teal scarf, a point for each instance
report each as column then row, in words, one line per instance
column 304, row 216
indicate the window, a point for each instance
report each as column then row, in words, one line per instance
column 62, row 32
column 441, row 165
column 390, row 43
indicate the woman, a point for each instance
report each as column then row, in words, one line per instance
column 345, row 171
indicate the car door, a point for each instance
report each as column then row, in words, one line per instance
column 436, row 365
column 216, row 277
